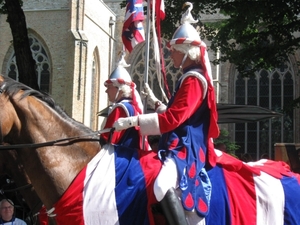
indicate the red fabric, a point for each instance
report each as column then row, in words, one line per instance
column 117, row 113
column 231, row 163
column 42, row 216
column 277, row 169
column 213, row 128
column 213, row 131
column 185, row 105
column 69, row 209
column 134, row 16
column 240, row 187
column 244, row 183
column 151, row 167
column 160, row 10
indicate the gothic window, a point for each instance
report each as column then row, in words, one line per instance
column 95, row 91
column 137, row 59
column 42, row 64
column 272, row 90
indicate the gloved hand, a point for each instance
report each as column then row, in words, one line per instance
column 125, row 123
column 151, row 97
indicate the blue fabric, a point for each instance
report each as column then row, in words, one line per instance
column 131, row 195
column 292, row 200
column 219, row 212
column 131, row 135
column 192, row 136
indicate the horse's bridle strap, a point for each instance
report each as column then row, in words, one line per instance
column 59, row 142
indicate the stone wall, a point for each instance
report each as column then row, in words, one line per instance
column 72, row 36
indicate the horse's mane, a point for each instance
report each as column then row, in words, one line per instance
column 12, row 87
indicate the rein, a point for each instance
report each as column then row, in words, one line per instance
column 2, row 191
column 59, row 142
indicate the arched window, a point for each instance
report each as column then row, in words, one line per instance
column 137, row 58
column 272, row 90
column 42, row 64
column 95, row 91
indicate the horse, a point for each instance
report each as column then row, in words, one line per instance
column 32, row 117
column 81, row 182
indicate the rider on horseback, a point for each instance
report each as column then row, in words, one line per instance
column 187, row 125
column 126, row 101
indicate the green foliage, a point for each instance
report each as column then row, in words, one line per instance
column 257, row 34
column 292, row 105
column 224, row 138
column 254, row 35
column 3, row 9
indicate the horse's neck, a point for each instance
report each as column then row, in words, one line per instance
column 52, row 169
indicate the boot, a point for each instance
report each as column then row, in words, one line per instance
column 173, row 209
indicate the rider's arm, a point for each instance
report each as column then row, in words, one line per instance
column 187, row 100
column 118, row 112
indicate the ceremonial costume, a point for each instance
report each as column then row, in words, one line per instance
column 187, row 139
column 130, row 137
column 124, row 107
column 187, row 125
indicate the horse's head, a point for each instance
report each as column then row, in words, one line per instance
column 31, row 122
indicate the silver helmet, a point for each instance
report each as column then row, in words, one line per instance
column 120, row 75
column 186, row 33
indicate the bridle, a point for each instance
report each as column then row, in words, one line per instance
column 91, row 137
column 58, row 142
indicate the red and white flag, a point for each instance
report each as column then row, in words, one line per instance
column 133, row 30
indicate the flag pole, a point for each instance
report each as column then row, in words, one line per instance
column 147, row 41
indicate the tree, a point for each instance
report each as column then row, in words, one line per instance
column 224, row 138
column 254, row 34
column 24, row 59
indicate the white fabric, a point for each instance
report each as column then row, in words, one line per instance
column 104, row 208
column 161, row 109
column 149, row 124
column 166, row 179
column 269, row 200
column 207, row 63
column 200, row 77
column 115, row 105
column 100, row 178
column 125, row 123
column 150, row 96
column 138, row 100
column 156, row 52
column 193, row 218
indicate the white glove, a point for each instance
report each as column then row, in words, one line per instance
column 125, row 123
column 151, row 97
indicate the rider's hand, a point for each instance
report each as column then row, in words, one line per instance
column 152, row 100
column 125, row 123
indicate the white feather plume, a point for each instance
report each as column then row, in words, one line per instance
column 187, row 16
